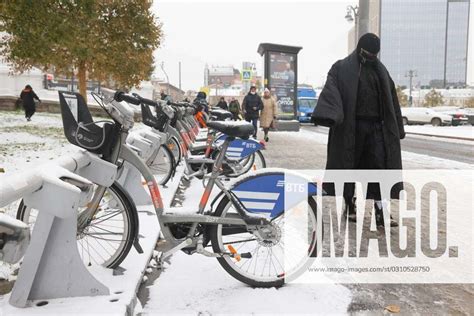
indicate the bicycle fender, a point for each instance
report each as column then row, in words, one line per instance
column 240, row 148
column 269, row 192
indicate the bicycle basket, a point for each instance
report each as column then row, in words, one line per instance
column 174, row 119
column 80, row 129
column 158, row 122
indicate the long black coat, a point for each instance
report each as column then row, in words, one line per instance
column 252, row 105
column 336, row 108
column 28, row 97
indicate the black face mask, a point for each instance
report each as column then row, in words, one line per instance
column 367, row 57
column 367, row 48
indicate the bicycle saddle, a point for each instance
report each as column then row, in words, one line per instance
column 234, row 129
column 221, row 115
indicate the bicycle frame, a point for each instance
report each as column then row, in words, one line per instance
column 121, row 151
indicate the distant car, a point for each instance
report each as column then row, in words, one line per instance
column 424, row 116
column 459, row 115
column 305, row 109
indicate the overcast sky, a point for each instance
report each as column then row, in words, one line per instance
column 227, row 32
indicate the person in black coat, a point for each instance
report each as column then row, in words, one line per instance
column 28, row 97
column 201, row 101
column 222, row 104
column 251, row 107
column 359, row 103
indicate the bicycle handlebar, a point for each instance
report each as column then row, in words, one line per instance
column 122, row 96
column 145, row 100
column 182, row 104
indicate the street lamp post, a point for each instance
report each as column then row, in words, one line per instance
column 167, row 78
column 410, row 74
column 352, row 14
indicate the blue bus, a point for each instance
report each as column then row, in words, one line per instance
column 306, row 103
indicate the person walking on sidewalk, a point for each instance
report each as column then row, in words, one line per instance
column 28, row 97
column 268, row 114
column 234, row 108
column 251, row 107
column 359, row 103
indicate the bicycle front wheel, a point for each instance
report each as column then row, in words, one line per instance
column 175, row 147
column 107, row 237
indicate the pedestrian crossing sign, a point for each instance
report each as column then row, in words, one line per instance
column 246, row 75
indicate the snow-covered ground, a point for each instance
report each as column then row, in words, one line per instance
column 197, row 285
column 26, row 145
column 464, row 131
column 44, row 94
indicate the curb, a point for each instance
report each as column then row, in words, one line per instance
column 441, row 136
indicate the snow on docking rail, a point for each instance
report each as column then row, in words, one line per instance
column 14, row 187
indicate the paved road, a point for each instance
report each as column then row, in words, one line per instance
column 461, row 151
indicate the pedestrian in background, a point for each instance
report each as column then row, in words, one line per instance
column 268, row 114
column 360, row 105
column 222, row 104
column 251, row 107
column 201, row 100
column 164, row 96
column 234, row 108
column 28, row 97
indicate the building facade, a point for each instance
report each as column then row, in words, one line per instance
column 429, row 37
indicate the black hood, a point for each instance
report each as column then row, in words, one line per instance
column 368, row 47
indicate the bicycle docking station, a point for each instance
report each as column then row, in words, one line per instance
column 52, row 267
column 14, row 239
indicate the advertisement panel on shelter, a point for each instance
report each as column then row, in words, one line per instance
column 282, row 82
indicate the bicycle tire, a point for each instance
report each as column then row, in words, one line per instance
column 216, row 246
column 176, row 149
column 130, row 217
column 256, row 155
column 169, row 161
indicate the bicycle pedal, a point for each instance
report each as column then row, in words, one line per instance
column 246, row 255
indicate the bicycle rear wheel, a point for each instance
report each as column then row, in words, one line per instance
column 255, row 161
column 109, row 235
column 266, row 267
